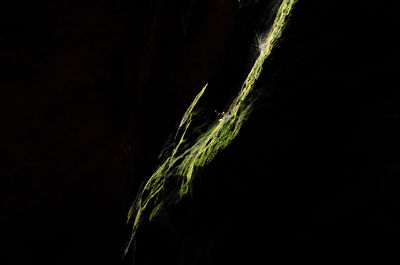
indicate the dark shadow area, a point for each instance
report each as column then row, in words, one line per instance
column 90, row 92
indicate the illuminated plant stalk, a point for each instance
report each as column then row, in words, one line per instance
column 182, row 162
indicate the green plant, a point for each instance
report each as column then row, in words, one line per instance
column 180, row 166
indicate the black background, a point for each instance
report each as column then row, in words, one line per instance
column 89, row 93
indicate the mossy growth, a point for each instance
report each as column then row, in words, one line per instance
column 179, row 168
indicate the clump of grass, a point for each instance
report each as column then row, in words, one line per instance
column 180, row 166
